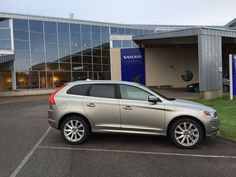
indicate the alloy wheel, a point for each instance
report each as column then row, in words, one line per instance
column 74, row 130
column 186, row 134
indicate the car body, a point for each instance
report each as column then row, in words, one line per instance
column 126, row 107
column 195, row 86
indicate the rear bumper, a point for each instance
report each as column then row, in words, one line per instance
column 52, row 118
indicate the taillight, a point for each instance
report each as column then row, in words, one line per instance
column 51, row 98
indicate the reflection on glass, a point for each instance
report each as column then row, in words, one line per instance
column 36, row 26
column 60, row 78
column 50, row 28
column 65, row 66
column 21, row 35
column 79, row 76
column 20, row 24
column 5, row 81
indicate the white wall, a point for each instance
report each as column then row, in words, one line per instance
column 165, row 65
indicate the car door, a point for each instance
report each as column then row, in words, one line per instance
column 102, row 108
column 137, row 113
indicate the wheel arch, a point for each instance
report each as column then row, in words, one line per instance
column 63, row 118
column 186, row 116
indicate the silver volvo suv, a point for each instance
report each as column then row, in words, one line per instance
column 82, row 107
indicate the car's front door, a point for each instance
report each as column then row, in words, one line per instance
column 102, row 108
column 137, row 113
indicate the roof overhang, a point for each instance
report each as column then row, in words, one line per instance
column 187, row 33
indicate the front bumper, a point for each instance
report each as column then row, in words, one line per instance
column 212, row 127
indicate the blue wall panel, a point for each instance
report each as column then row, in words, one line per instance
column 133, row 65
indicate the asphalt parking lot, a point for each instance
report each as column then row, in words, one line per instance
column 29, row 148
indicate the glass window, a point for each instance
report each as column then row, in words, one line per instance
column 50, row 28
column 121, row 31
column 106, row 45
column 76, row 49
column 86, row 45
column 75, row 29
column 134, row 32
column 86, row 33
column 117, row 44
column 126, row 43
column 106, row 53
column 22, row 65
column 65, row 66
column 81, row 89
column 76, row 59
column 21, row 45
column 51, row 57
column 105, row 60
column 52, row 66
column 64, row 40
column 77, row 67
column 103, row 90
column 114, row 30
column 22, row 35
column 38, row 65
column 36, row 37
column 87, row 59
column 33, row 79
column 51, row 48
column 96, row 33
column 65, row 59
column 140, row 32
column 60, row 78
column 75, row 40
column 5, row 81
column 4, row 23
column 37, row 47
column 22, row 55
column 37, row 56
column 4, row 34
column 79, row 76
column 134, row 45
column 105, row 34
column 133, row 93
column 20, row 24
column 36, row 26
column 97, row 60
column 63, row 29
column 5, row 45
column 49, row 38
column 97, row 52
column 128, row 31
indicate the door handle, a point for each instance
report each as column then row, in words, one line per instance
column 127, row 108
column 91, row 105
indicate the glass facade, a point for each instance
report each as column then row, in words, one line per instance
column 49, row 54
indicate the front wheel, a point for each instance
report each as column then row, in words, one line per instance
column 186, row 133
column 75, row 130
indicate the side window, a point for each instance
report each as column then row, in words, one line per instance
column 81, row 89
column 103, row 90
column 133, row 93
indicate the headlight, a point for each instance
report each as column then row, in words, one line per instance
column 209, row 114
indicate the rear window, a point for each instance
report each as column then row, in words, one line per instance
column 103, row 90
column 81, row 89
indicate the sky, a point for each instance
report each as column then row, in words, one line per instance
column 158, row 12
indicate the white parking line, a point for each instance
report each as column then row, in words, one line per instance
column 27, row 157
column 138, row 152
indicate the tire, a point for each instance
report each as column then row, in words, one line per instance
column 196, row 89
column 185, row 136
column 75, row 130
column 225, row 88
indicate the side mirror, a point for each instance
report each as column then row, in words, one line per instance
column 153, row 99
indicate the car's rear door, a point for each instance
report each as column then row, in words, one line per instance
column 137, row 113
column 102, row 107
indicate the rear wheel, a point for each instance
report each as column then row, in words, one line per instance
column 186, row 133
column 75, row 130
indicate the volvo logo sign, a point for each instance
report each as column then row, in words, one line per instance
column 133, row 57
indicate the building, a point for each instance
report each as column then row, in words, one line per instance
column 43, row 52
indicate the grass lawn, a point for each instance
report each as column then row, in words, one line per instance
column 226, row 110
